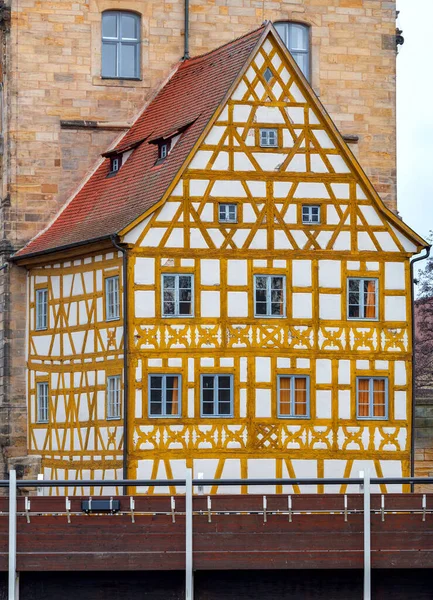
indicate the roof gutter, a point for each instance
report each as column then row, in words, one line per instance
column 124, row 251
column 412, row 441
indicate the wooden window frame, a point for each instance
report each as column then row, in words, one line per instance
column 109, row 318
column 268, row 130
column 292, row 414
column 38, row 292
column 361, row 299
column 227, row 204
column 176, row 314
column 164, row 414
column 310, row 209
column 371, row 417
column 109, row 404
column 215, row 399
column 42, row 410
column 268, row 297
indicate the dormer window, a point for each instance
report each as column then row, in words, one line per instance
column 115, row 163
column 164, row 149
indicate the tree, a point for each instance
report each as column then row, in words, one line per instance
column 424, row 324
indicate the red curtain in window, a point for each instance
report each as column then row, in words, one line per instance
column 284, row 395
column 300, row 396
column 363, row 398
column 370, row 306
column 379, row 399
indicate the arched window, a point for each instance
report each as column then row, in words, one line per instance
column 120, row 45
column 296, row 37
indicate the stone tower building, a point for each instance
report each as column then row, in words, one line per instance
column 62, row 106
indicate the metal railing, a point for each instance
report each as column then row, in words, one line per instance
column 189, row 483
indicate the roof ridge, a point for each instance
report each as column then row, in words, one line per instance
column 188, row 61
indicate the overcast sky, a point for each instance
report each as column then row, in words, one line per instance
column 415, row 115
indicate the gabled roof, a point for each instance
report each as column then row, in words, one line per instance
column 189, row 102
column 106, row 205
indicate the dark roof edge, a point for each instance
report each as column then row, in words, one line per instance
column 16, row 258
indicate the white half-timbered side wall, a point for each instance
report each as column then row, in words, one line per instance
column 355, row 238
column 74, row 353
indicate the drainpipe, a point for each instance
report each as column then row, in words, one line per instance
column 186, row 40
column 412, row 283
column 114, row 240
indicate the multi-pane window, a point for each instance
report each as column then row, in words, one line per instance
column 270, row 294
column 112, row 298
column 164, row 395
column 113, row 397
column 227, row 213
column 120, row 45
column 177, row 300
column 42, row 400
column 268, row 138
column 217, row 395
column 362, row 298
column 372, row 398
column 41, row 308
column 310, row 214
column 296, row 38
column 293, row 396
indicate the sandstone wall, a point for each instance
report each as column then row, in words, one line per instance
column 51, row 72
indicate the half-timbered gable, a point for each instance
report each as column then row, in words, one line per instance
column 268, row 288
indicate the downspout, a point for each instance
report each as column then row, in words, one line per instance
column 114, row 240
column 186, row 40
column 412, row 284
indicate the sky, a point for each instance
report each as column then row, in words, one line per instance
column 415, row 115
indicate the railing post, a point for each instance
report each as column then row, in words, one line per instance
column 13, row 579
column 367, row 537
column 189, row 577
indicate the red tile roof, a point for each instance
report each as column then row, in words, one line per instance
column 105, row 205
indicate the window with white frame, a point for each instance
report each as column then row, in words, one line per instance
column 164, row 395
column 310, row 214
column 227, row 213
column 372, row 397
column 113, row 397
column 362, row 298
column 177, row 298
column 296, row 37
column 216, row 395
column 115, row 163
column 120, row 45
column 268, row 138
column 112, row 298
column 42, row 402
column 293, row 396
column 270, row 295
column 41, row 308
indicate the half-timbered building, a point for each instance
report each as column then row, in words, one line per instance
column 226, row 292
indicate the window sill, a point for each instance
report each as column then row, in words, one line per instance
column 294, row 417
column 114, row 418
column 118, row 82
column 217, row 416
column 112, row 319
column 270, row 316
